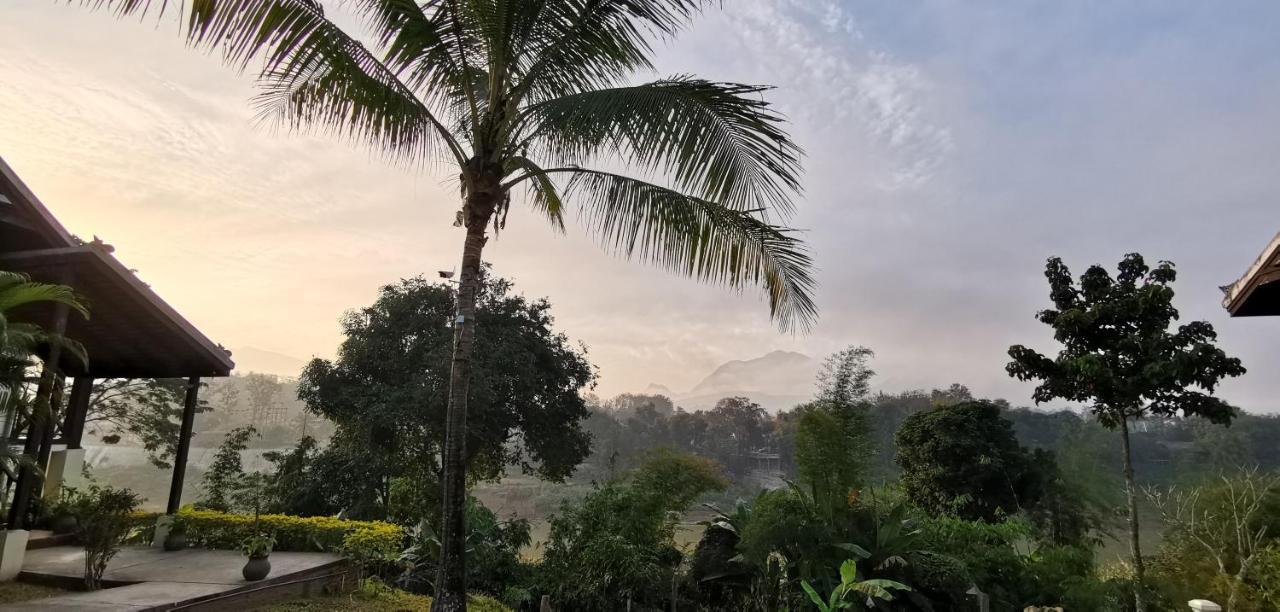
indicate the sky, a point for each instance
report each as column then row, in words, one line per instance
column 951, row 147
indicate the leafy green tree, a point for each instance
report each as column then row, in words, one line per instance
column 294, row 486
column 843, row 386
column 520, row 95
column 829, row 458
column 964, row 461
column 735, row 428
column 889, row 410
column 617, row 543
column 225, row 474
column 1064, row 514
column 1120, row 357
column 148, row 409
column 387, row 392
column 845, row 377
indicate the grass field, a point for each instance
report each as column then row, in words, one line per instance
column 14, row 592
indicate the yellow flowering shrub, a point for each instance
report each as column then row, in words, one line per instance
column 362, row 539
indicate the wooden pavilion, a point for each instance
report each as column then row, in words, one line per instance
column 131, row 333
column 1257, row 293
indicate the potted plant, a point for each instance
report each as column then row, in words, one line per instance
column 176, row 539
column 257, row 547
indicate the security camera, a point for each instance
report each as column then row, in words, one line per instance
column 445, row 273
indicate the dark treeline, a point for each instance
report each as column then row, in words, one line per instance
column 753, row 445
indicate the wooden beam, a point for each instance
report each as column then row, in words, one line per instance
column 184, row 445
column 16, row 221
column 77, row 411
column 39, row 254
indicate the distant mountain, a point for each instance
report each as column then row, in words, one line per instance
column 777, row 381
column 251, row 359
column 779, row 371
column 657, row 389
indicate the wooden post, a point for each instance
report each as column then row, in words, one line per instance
column 77, row 411
column 41, row 419
column 46, row 440
column 184, row 445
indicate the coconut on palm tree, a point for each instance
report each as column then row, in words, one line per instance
column 535, row 98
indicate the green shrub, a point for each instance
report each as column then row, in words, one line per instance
column 493, row 556
column 104, row 519
column 617, row 543
column 357, row 539
column 942, row 579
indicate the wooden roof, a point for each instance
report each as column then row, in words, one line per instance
column 131, row 332
column 1257, row 293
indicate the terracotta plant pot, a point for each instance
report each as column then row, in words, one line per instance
column 63, row 523
column 175, row 541
column 256, row 569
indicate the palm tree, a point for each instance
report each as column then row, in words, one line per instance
column 520, row 94
column 18, row 341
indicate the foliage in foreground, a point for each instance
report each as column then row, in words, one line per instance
column 374, row 596
column 104, row 519
column 493, row 556
column 618, row 543
column 853, row 591
column 1222, row 541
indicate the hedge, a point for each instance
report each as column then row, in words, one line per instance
column 365, row 540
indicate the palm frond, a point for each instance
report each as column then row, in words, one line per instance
column 697, row 238
column 543, row 194
column 20, row 339
column 14, row 295
column 581, row 45
column 313, row 73
column 418, row 47
column 717, row 141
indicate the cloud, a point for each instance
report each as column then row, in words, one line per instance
column 826, row 71
column 951, row 147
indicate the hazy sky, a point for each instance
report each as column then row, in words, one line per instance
column 952, row 147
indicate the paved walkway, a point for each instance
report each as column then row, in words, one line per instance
column 159, row 580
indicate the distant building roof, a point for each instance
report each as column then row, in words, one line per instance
column 131, row 332
column 1257, row 293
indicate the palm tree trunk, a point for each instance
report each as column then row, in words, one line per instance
column 451, row 577
column 1131, row 491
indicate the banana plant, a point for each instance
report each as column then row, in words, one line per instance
column 854, row 593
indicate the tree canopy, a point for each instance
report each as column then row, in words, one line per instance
column 1118, row 354
column 386, row 391
column 964, row 461
column 1120, row 357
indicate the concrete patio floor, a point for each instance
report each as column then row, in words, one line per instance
column 153, row 579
